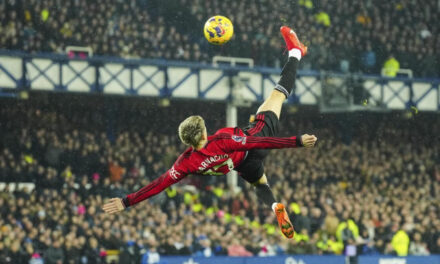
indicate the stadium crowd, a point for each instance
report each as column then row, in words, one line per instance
column 361, row 36
column 373, row 184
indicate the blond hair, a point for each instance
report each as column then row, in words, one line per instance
column 191, row 130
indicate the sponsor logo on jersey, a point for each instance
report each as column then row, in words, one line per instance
column 239, row 139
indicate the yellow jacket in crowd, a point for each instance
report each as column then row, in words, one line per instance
column 400, row 243
column 323, row 18
column 391, row 67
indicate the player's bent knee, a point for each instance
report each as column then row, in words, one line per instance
column 273, row 103
column 262, row 180
column 277, row 112
column 266, row 111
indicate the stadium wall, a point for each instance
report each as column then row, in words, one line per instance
column 435, row 259
column 159, row 78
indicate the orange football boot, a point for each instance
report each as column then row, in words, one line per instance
column 292, row 41
column 284, row 221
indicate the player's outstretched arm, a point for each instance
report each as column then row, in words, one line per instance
column 243, row 143
column 167, row 179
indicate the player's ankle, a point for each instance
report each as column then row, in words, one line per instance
column 274, row 206
column 295, row 53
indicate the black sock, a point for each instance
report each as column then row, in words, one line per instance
column 265, row 194
column 286, row 83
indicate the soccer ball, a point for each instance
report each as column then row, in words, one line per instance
column 218, row 30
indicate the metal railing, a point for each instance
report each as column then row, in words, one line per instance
column 174, row 79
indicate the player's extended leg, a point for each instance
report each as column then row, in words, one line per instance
column 288, row 75
column 274, row 103
column 265, row 194
column 266, row 124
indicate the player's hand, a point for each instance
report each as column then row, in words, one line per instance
column 115, row 205
column 308, row 141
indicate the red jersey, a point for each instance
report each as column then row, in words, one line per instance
column 224, row 151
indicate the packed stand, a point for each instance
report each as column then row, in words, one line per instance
column 373, row 182
column 360, row 37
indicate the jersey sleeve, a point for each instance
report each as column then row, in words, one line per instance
column 167, row 179
column 243, row 143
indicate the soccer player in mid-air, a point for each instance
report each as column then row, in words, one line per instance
column 240, row 149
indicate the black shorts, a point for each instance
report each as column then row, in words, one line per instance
column 266, row 124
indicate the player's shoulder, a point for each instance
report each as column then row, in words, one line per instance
column 184, row 163
column 184, row 156
column 224, row 133
column 227, row 132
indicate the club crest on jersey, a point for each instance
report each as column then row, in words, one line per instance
column 239, row 139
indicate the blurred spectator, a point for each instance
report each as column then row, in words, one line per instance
column 436, row 247
column 16, row 254
column 391, row 67
column 116, row 172
column 417, row 247
column 331, row 223
column 323, row 18
column 92, row 252
column 130, row 253
column 54, row 254
column 205, row 248
column 302, row 221
column 368, row 60
column 369, row 249
column 37, row 259
column 237, row 250
column 151, row 257
column 400, row 242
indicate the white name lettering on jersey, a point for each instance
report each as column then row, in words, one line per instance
column 210, row 160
